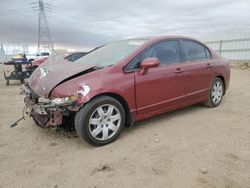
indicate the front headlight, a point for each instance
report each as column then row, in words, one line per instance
column 58, row 101
column 63, row 101
column 79, row 97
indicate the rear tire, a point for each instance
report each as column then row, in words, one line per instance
column 216, row 93
column 100, row 121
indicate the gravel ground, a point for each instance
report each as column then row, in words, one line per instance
column 192, row 147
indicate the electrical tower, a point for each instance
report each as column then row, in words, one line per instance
column 44, row 37
column 2, row 54
column 25, row 49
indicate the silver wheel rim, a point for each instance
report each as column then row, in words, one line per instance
column 104, row 122
column 217, row 92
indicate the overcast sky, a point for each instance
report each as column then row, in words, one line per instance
column 88, row 23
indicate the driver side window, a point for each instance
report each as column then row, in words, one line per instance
column 167, row 52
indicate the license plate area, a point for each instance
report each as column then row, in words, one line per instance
column 37, row 109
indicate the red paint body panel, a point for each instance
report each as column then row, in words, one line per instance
column 199, row 78
column 161, row 89
column 45, row 78
column 154, row 91
column 100, row 82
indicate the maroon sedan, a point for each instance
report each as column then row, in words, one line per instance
column 123, row 82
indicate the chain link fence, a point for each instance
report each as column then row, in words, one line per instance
column 234, row 47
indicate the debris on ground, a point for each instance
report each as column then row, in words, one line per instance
column 157, row 140
column 203, row 170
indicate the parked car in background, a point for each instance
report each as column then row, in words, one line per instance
column 126, row 81
column 34, row 64
column 70, row 57
column 38, row 62
column 38, row 55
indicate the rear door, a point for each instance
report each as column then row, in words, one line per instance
column 198, row 66
column 164, row 86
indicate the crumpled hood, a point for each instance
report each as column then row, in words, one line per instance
column 48, row 76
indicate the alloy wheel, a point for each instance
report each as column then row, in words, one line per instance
column 104, row 122
column 217, row 92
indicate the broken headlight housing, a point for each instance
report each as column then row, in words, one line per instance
column 58, row 101
column 64, row 101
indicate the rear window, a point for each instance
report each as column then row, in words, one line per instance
column 193, row 51
column 45, row 54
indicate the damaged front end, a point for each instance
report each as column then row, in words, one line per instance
column 48, row 112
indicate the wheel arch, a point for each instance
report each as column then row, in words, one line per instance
column 129, row 116
column 223, row 80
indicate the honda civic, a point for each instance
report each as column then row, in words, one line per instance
column 123, row 82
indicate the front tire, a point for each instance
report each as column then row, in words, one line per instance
column 216, row 93
column 100, row 121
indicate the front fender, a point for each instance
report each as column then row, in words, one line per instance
column 99, row 82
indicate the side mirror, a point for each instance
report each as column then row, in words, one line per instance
column 148, row 63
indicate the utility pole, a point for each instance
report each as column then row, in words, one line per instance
column 44, row 37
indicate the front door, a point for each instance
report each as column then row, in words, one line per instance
column 161, row 87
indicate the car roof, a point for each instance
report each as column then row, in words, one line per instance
column 162, row 37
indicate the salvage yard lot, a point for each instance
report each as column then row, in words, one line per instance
column 192, row 147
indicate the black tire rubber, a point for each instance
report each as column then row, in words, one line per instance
column 209, row 102
column 83, row 115
column 22, row 80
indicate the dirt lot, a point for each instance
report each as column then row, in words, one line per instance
column 192, row 147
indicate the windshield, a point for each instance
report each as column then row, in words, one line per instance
column 112, row 53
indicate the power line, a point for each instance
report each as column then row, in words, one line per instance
column 93, row 19
column 14, row 11
column 87, row 20
column 84, row 17
column 91, row 16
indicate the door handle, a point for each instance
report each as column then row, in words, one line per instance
column 208, row 65
column 179, row 70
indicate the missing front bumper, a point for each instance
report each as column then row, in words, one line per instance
column 42, row 116
column 47, row 112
